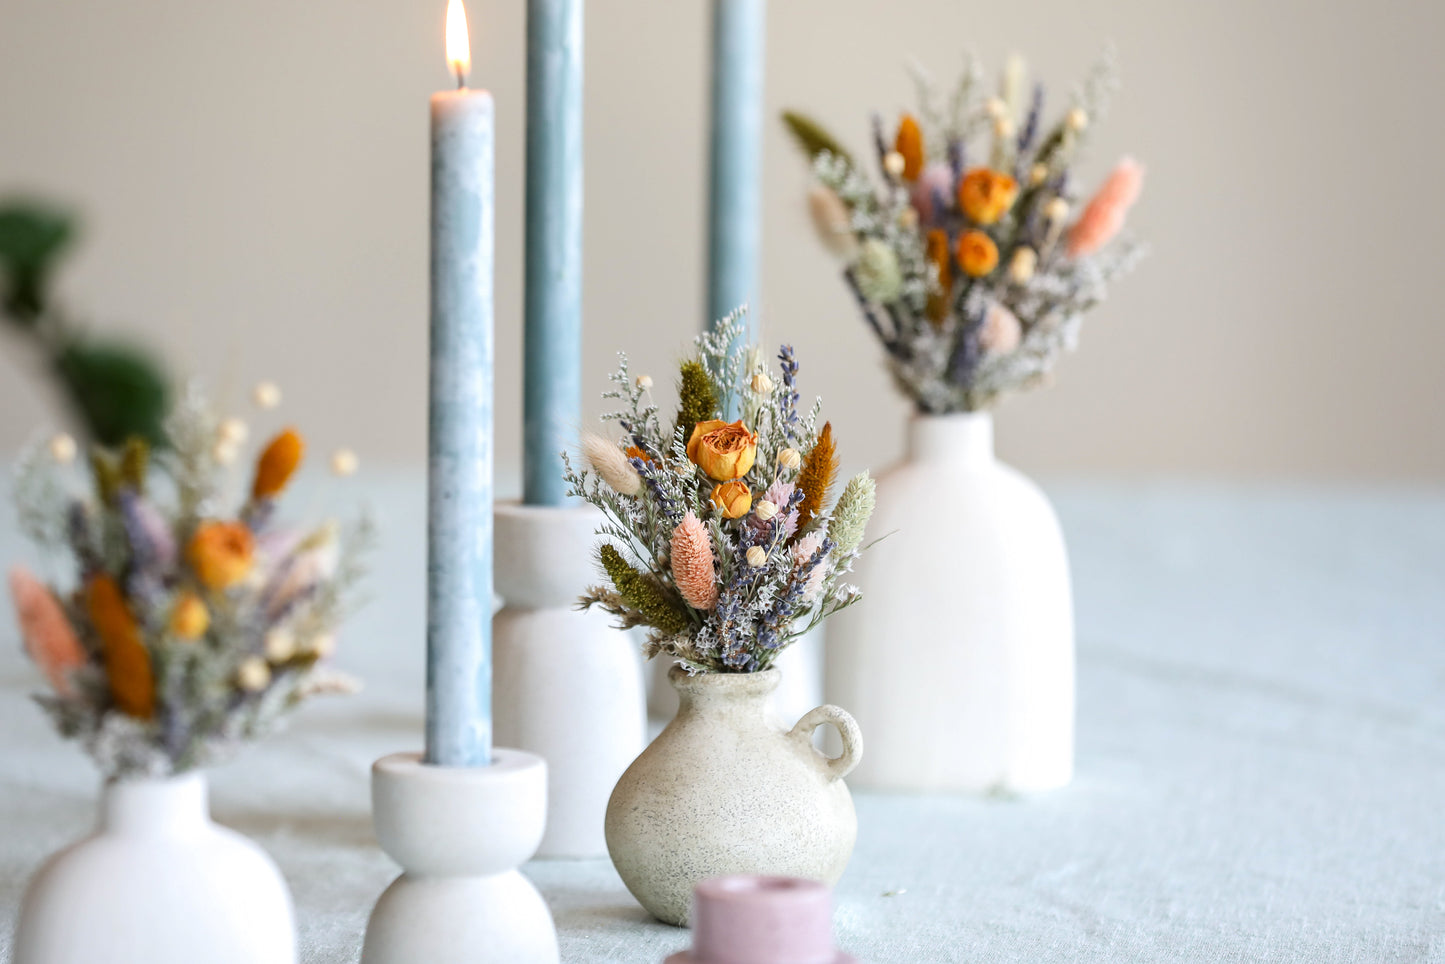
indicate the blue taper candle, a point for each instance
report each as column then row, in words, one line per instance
column 552, row 339
column 735, row 202
column 459, row 506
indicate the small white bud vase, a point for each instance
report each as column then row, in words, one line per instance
column 555, row 667
column 157, row 882
column 727, row 789
column 960, row 661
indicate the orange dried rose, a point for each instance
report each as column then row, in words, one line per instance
column 277, row 463
column 724, row 451
column 986, row 195
column 127, row 661
column 909, row 143
column 937, row 250
column 221, row 553
column 733, row 498
column 977, row 254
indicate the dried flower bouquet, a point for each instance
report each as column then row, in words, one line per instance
column 720, row 537
column 974, row 262
column 188, row 630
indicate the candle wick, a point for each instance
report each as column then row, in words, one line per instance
column 461, row 79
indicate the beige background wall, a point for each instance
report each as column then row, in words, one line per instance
column 254, row 175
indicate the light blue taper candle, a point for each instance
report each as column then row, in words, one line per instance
column 552, row 340
column 459, row 507
column 735, row 203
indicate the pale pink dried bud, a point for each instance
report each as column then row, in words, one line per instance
column 692, row 563
column 789, row 459
column 1021, row 266
column 765, row 510
column 1001, row 330
column 832, row 221
column 761, row 383
column 803, row 551
column 757, row 556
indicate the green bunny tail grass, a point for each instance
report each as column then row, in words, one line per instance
column 642, row 594
column 812, row 138
column 852, row 512
column 697, row 398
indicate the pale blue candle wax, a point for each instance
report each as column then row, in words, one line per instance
column 735, row 201
column 552, row 340
column 459, row 508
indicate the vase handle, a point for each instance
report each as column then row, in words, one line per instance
column 840, row 766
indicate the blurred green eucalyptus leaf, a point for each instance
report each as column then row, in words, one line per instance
column 117, row 390
column 33, row 235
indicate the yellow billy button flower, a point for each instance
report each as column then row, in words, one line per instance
column 724, row 451
column 757, row 556
column 734, row 498
column 189, row 617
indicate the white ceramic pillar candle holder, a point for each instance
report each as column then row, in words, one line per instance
column 460, row 833
column 157, row 882
column 959, row 663
column 566, row 685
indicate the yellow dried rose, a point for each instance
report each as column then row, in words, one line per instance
column 220, row 553
column 986, row 195
column 733, row 498
column 724, row 451
column 189, row 617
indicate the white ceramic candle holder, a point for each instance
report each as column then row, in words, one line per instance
column 566, row 685
column 460, row 833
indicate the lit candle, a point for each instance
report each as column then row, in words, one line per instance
column 459, row 510
column 552, row 340
column 736, row 160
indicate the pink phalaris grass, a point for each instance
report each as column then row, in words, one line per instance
column 45, row 630
column 1104, row 214
column 692, row 563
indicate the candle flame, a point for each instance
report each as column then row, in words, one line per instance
column 459, row 46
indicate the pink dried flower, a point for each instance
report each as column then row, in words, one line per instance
column 779, row 494
column 803, row 550
column 935, row 184
column 1104, row 214
column 1001, row 330
column 692, row 563
column 45, row 630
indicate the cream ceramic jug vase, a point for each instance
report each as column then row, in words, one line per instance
column 726, row 789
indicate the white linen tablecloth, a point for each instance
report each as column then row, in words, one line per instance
column 1261, row 757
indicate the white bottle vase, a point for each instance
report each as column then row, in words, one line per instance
column 959, row 661
column 727, row 789
column 157, row 882
column 566, row 685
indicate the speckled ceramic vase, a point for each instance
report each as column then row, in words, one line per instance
column 727, row 789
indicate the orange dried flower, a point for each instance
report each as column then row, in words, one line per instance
column 221, row 553
column 937, row 250
column 634, row 452
column 127, row 661
column 733, row 498
column 986, row 195
column 977, row 254
column 277, row 463
column 820, row 471
column 692, row 563
column 909, row 143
